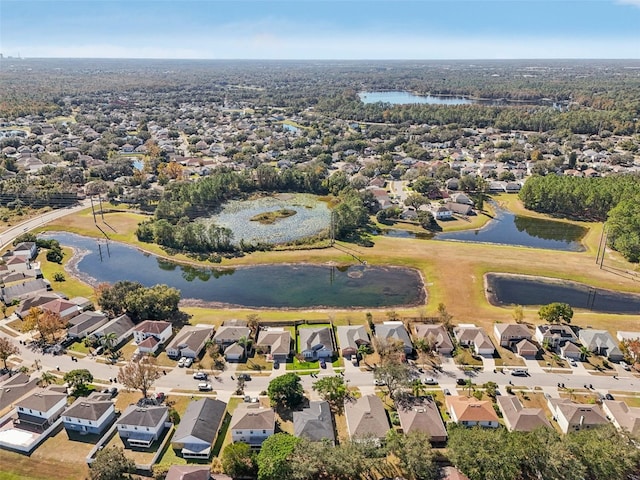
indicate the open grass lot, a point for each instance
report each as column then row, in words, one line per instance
column 453, row 272
column 71, row 286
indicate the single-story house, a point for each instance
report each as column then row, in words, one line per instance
column 573, row 416
column 121, row 326
column 469, row 335
column 198, row 428
column 526, row 349
column 459, row 208
column 570, row 350
column 470, row 412
column 351, row 338
column 276, row 342
column 508, row 334
column 14, row 388
column 190, row 341
column 435, row 334
column 520, row 419
column 316, row 342
column 622, row 416
column 24, row 290
column 141, row 426
column 394, row 332
column 34, row 301
column 234, row 352
column 192, row 472
column 421, row 414
column 89, row 416
column 314, row 423
column 64, row 308
column 85, row 324
column 601, row 342
column 82, row 302
column 366, row 418
column 228, row 334
column 252, row 424
column 42, row 408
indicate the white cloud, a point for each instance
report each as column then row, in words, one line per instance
column 635, row 3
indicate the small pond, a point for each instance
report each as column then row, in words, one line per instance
column 510, row 229
column 268, row 286
column 311, row 218
column 506, row 289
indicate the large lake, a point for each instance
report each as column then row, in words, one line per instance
column 268, row 286
column 406, row 98
column 509, row 229
column 505, row 289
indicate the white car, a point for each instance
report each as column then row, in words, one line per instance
column 182, row 361
column 379, row 383
column 204, row 387
column 429, row 381
column 354, row 359
column 188, row 362
column 200, row 376
column 625, row 365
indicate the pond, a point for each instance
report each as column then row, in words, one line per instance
column 406, row 98
column 312, row 217
column 506, row 289
column 267, row 286
column 510, row 229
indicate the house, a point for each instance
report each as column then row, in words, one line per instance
column 436, row 335
column 28, row 250
column 461, row 198
column 83, row 303
column 570, row 350
column 601, row 342
column 35, row 301
column 520, row 419
column 421, row 414
column 526, row 349
column 554, row 335
column 314, row 423
column 157, row 329
column 234, row 352
column 14, row 388
column 366, row 418
column 351, row 338
column 121, row 327
column 573, row 416
column 440, row 212
column 190, row 341
column 622, row 416
column 228, row 334
column 192, row 472
column 394, row 332
column 276, row 342
column 198, row 428
column 509, row 334
column 459, row 208
column 41, row 409
column 316, row 342
column 89, row 416
column 85, row 324
column 64, row 308
column 139, row 427
column 17, row 264
column 24, row 290
column 252, row 424
column 467, row 334
column 470, row 412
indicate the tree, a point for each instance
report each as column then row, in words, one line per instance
column 78, row 379
column 244, row 342
column 444, row 315
column 273, row 459
column 108, row 341
column 414, row 452
column 7, row 348
column 556, row 312
column 394, row 375
column 415, row 200
column 333, row 390
column 111, row 464
column 47, row 378
column 286, row 390
column 518, row 314
column 139, row 374
column 238, row 460
column 584, row 353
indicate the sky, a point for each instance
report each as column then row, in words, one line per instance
column 321, row 29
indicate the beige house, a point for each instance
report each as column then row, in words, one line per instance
column 572, row 416
column 366, row 418
column 276, row 342
column 622, row 416
column 518, row 418
column 437, row 334
column 470, row 412
column 252, row 424
column 421, row 414
column 475, row 337
column 509, row 334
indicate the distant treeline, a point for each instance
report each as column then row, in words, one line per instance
column 614, row 198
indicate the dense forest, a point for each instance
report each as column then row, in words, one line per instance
column 613, row 199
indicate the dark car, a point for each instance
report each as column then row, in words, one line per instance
column 160, row 396
column 608, row 396
column 244, row 376
column 113, row 391
column 276, row 364
column 323, row 364
column 461, row 381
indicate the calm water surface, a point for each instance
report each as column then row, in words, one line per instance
column 509, row 229
column 269, row 286
column 406, row 98
column 506, row 289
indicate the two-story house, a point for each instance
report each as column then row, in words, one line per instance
column 141, row 426
column 89, row 415
column 150, row 334
column 41, row 409
column 252, row 424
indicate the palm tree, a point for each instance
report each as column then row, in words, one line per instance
column 363, row 351
column 417, row 388
column 244, row 343
column 468, row 385
column 47, row 378
column 109, row 341
column 584, row 353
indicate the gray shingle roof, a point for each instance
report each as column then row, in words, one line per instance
column 314, row 423
column 142, row 416
column 88, row 409
column 201, row 419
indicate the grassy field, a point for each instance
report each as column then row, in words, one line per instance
column 453, row 272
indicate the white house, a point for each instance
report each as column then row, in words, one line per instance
column 42, row 408
column 141, row 426
column 472, row 336
column 158, row 329
column 316, row 343
column 89, row 416
column 189, row 341
column 573, row 416
column 252, row 424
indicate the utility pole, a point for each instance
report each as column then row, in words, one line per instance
column 600, row 243
column 604, row 248
column 93, row 209
column 101, row 210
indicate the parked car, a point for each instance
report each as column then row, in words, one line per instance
column 573, row 363
column 379, row 383
column 160, row 397
column 188, row 362
column 354, row 359
column 625, row 365
column 323, row 364
column 429, row 381
column 608, row 396
column 244, row 376
column 461, row 381
column 113, row 391
column 182, row 361
column 200, row 376
column 276, row 364
column 205, row 387
column 446, row 391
